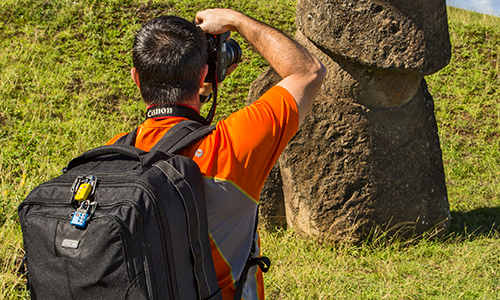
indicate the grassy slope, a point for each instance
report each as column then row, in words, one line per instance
column 64, row 88
column 467, row 97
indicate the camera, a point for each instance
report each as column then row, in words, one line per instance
column 222, row 52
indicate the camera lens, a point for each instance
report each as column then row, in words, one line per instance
column 233, row 52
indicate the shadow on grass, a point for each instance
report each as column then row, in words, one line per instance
column 477, row 222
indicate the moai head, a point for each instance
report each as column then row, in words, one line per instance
column 404, row 36
column 376, row 51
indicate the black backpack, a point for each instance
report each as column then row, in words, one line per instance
column 137, row 229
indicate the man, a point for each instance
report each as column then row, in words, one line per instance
column 235, row 160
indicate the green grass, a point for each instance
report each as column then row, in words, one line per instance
column 454, row 269
column 65, row 88
column 467, row 96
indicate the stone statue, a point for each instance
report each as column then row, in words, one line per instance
column 368, row 155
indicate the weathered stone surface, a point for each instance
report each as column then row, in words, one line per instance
column 368, row 154
column 365, row 168
column 351, row 168
column 272, row 204
column 406, row 36
column 360, row 162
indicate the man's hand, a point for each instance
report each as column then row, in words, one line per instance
column 215, row 21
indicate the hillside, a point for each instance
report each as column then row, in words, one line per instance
column 65, row 88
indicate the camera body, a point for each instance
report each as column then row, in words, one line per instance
column 222, row 52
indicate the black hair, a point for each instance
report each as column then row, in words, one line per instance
column 168, row 53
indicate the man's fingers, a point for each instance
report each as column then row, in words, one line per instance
column 207, row 21
column 214, row 21
column 231, row 68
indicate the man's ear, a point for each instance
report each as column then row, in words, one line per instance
column 135, row 77
column 203, row 74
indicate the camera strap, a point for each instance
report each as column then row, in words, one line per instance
column 212, row 76
column 162, row 111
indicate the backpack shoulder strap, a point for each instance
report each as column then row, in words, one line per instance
column 178, row 137
column 182, row 135
column 127, row 139
column 263, row 262
column 190, row 202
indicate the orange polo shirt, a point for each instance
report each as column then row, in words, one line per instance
column 235, row 160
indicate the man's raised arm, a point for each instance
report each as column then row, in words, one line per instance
column 302, row 73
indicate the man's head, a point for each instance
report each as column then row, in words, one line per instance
column 168, row 54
